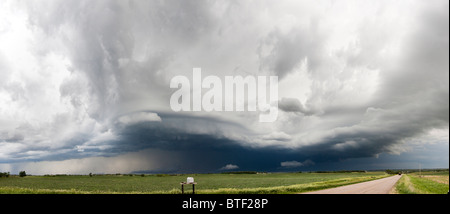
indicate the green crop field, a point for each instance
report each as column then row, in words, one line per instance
column 274, row 183
column 423, row 183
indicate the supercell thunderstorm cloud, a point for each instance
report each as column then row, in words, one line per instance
column 85, row 85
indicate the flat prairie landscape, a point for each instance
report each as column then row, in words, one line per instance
column 423, row 183
column 260, row 183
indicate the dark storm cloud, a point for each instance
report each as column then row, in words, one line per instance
column 413, row 95
column 123, row 48
column 287, row 50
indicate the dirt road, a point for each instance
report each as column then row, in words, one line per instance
column 380, row 186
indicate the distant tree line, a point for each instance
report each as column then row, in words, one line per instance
column 340, row 171
column 240, row 172
column 4, row 174
column 396, row 171
column 392, row 172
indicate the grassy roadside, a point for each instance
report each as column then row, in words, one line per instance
column 288, row 186
column 413, row 184
column 298, row 188
column 404, row 186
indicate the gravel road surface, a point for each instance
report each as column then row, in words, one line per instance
column 379, row 186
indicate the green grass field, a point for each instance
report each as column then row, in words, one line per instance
column 423, row 183
column 273, row 183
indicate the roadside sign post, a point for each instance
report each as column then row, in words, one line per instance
column 189, row 180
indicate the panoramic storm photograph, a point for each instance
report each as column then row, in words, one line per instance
column 278, row 94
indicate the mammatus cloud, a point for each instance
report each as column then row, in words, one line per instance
column 357, row 80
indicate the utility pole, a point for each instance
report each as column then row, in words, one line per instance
column 420, row 172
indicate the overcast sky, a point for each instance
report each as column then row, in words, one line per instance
column 85, row 85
